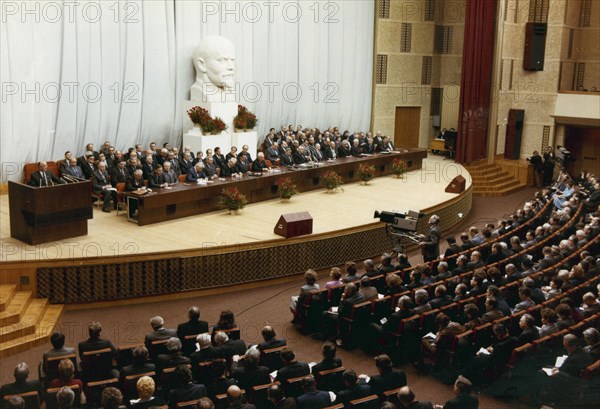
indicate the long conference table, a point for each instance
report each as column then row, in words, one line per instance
column 188, row 199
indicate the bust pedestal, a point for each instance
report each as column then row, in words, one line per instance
column 194, row 138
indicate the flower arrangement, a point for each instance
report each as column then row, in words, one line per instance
column 366, row 172
column 209, row 125
column 231, row 199
column 399, row 167
column 331, row 180
column 287, row 188
column 244, row 120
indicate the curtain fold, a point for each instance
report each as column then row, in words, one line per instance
column 120, row 70
column 476, row 80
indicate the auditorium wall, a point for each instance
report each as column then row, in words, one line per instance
column 418, row 60
column 571, row 58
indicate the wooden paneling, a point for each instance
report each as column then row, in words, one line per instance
column 408, row 125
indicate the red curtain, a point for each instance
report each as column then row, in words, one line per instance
column 476, row 80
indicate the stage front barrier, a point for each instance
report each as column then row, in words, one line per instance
column 44, row 214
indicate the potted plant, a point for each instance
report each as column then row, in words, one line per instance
column 218, row 126
column 244, row 120
column 399, row 167
column 202, row 119
column 232, row 200
column 366, row 173
column 287, row 188
column 331, row 180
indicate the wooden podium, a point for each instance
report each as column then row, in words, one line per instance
column 294, row 224
column 44, row 214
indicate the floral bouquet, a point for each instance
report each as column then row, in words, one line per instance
column 231, row 199
column 366, row 172
column 399, row 167
column 287, row 188
column 331, row 180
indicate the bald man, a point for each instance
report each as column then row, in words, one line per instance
column 42, row 177
column 235, row 399
column 21, row 384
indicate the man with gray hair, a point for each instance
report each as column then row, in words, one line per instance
column 247, row 371
column 159, row 332
column 65, row 398
column 21, row 384
column 369, row 268
column 172, row 358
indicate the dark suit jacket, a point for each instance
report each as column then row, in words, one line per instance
column 431, row 248
column 462, row 401
column 185, row 166
column 133, row 184
column 388, row 381
column 95, row 345
column 155, row 180
column 258, row 166
column 326, row 365
column 576, row 362
column 53, row 353
column 99, row 180
column 87, row 169
column 292, row 370
column 298, row 158
column 191, row 328
column 420, row 405
column 503, row 350
column 232, row 347
column 74, row 171
column 314, row 400
column 360, row 390
column 163, row 333
column 170, row 361
column 186, row 393
column 136, row 370
column 117, row 177
column 23, row 387
column 286, row 160
column 193, row 175
column 275, row 343
column 249, row 377
column 37, row 180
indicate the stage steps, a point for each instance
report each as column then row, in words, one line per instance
column 492, row 180
column 25, row 321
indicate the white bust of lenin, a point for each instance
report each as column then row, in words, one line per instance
column 214, row 60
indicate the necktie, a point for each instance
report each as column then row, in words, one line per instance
column 122, row 173
column 45, row 179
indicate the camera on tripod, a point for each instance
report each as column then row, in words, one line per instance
column 406, row 222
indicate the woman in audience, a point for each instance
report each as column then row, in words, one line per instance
column 145, row 389
column 336, row 275
column 437, row 349
column 311, row 285
column 473, row 316
column 66, row 377
column 554, row 288
column 112, row 398
column 226, row 321
column 393, row 284
column 549, row 319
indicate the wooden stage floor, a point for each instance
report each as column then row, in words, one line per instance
column 110, row 235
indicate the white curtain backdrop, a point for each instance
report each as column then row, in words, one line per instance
column 90, row 71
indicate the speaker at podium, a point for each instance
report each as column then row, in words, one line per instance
column 294, row 224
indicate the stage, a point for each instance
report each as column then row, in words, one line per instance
column 346, row 216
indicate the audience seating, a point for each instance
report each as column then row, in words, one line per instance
column 330, row 380
column 190, row 404
column 158, row 347
column 368, row 402
column 129, row 385
column 52, row 365
column 125, row 354
column 271, row 358
column 32, row 399
column 97, row 364
column 259, row 395
column 50, row 397
column 293, row 387
column 93, row 390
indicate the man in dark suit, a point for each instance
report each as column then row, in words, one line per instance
column 148, row 166
column 312, row 398
column 169, row 174
column 159, row 332
column 43, row 177
column 287, row 159
column 229, row 347
column 388, row 378
column 329, row 361
column 187, row 390
column 430, row 245
column 354, row 389
column 195, row 173
column 529, row 332
column 259, row 164
column 140, row 363
column 406, row 398
column 498, row 353
column 248, row 373
column 272, row 154
column 278, row 399
column 157, row 178
column 21, row 384
column 172, row 358
column 95, row 343
column 119, row 173
column 243, row 164
column 194, row 326
column 270, row 339
column 210, row 169
column 73, row 169
column 330, row 151
column 235, row 399
column 218, row 158
column 186, row 162
column 57, row 339
column 343, row 150
column 133, row 183
column 331, row 321
column 101, row 185
column 291, row 368
column 245, row 151
column 88, row 166
column 464, row 399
